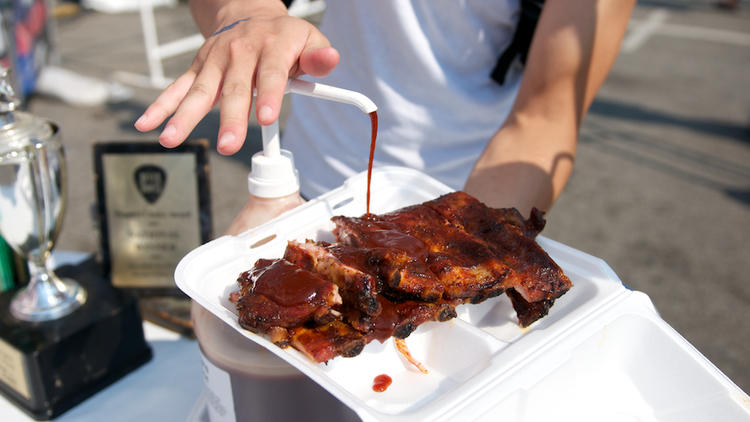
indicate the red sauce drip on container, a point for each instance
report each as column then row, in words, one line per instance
column 381, row 383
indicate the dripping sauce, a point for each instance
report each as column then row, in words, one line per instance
column 385, row 323
column 381, row 383
column 373, row 135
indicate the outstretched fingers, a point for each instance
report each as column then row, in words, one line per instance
column 262, row 53
column 198, row 101
column 166, row 103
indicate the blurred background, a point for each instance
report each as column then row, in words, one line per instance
column 660, row 190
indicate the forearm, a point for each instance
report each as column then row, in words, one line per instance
column 520, row 168
column 529, row 160
column 211, row 15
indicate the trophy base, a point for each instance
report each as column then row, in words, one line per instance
column 48, row 367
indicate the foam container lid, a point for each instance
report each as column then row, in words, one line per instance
column 602, row 353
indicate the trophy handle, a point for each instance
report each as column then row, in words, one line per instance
column 41, row 181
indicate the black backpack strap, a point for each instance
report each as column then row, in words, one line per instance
column 519, row 46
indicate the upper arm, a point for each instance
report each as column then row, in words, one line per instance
column 573, row 49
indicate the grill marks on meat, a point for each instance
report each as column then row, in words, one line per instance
column 396, row 319
column 537, row 278
column 399, row 258
column 390, row 273
column 399, row 319
column 465, row 267
column 459, row 265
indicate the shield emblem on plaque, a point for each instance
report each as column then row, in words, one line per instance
column 150, row 181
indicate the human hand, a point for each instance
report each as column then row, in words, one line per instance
column 261, row 52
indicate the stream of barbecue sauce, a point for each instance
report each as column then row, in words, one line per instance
column 381, row 383
column 373, row 135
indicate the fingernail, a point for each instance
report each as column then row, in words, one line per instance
column 141, row 120
column 169, row 132
column 226, row 140
column 264, row 113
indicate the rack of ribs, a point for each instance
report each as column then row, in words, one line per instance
column 464, row 267
column 387, row 274
column 538, row 279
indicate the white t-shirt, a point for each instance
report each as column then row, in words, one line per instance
column 426, row 64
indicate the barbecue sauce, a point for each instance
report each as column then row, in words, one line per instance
column 374, row 232
column 287, row 284
column 385, row 323
column 396, row 240
column 373, row 135
column 381, row 383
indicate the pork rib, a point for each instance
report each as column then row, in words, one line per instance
column 276, row 295
column 400, row 319
column 345, row 266
column 325, row 342
column 397, row 257
column 465, row 268
column 538, row 278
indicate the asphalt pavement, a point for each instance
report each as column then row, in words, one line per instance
column 660, row 190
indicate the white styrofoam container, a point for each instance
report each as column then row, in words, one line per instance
column 602, row 353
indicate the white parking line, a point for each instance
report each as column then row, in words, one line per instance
column 706, row 34
column 639, row 31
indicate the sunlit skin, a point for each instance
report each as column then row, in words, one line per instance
column 526, row 163
column 261, row 53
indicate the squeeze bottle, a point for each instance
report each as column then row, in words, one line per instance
column 244, row 381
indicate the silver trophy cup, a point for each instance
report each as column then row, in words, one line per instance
column 32, row 202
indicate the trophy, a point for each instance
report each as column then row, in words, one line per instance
column 61, row 340
column 32, row 200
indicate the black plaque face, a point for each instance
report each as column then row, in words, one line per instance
column 153, row 207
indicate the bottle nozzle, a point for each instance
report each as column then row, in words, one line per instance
column 332, row 93
column 273, row 173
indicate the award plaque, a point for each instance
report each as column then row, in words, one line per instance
column 153, row 208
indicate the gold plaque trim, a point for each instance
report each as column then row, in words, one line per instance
column 12, row 371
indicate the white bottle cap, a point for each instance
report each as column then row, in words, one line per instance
column 273, row 177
